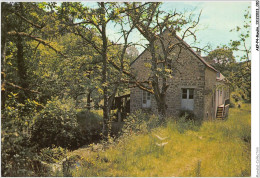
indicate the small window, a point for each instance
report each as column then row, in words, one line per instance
column 187, row 93
column 146, row 100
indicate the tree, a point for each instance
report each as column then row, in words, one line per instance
column 242, row 73
column 152, row 23
column 23, row 23
column 222, row 59
column 96, row 21
column 132, row 53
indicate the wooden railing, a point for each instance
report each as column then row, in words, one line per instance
column 227, row 101
column 226, row 109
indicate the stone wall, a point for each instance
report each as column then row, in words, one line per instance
column 188, row 72
column 209, row 95
column 142, row 72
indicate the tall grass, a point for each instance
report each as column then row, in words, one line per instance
column 218, row 148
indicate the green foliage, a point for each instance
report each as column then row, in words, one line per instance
column 224, row 144
column 237, row 72
column 46, row 60
column 241, row 76
column 188, row 121
column 140, row 122
column 183, row 125
column 56, row 124
column 188, row 115
column 237, row 98
column 222, row 59
column 17, row 153
column 52, row 155
column 90, row 126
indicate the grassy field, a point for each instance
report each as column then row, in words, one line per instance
column 218, row 148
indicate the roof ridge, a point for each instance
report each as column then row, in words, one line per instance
column 200, row 58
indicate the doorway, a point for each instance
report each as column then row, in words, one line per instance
column 187, row 101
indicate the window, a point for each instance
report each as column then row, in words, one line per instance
column 184, row 93
column 187, row 93
column 146, row 100
column 191, row 91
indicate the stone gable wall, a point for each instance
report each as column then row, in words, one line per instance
column 188, row 72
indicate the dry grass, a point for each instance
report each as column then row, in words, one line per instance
column 219, row 148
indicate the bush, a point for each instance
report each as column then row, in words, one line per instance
column 52, row 155
column 57, row 125
column 235, row 99
column 188, row 121
column 18, row 156
column 90, row 126
column 188, row 115
column 140, row 122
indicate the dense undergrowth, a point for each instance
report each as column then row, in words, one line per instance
column 215, row 148
column 36, row 138
column 38, row 141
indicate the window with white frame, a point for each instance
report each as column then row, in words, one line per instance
column 146, row 99
column 187, row 93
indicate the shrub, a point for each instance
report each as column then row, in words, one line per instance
column 235, row 99
column 183, row 124
column 16, row 156
column 52, row 155
column 140, row 122
column 57, row 125
column 188, row 121
column 188, row 115
column 90, row 126
column 17, row 153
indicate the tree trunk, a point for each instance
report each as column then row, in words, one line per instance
column 20, row 59
column 21, row 68
column 106, row 111
column 160, row 95
column 88, row 100
column 4, row 29
column 3, row 73
column 162, row 108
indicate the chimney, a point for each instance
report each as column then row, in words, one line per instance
column 198, row 52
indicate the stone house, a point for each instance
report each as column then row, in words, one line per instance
column 195, row 85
